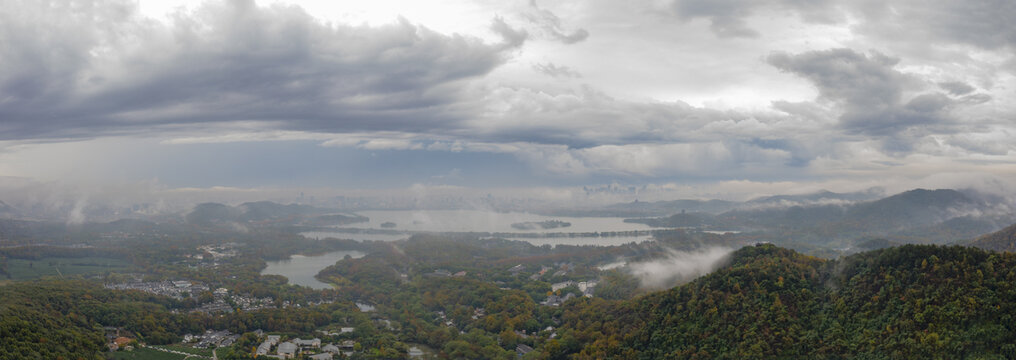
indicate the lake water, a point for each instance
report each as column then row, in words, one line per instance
column 585, row 240
column 407, row 222
column 300, row 269
column 318, row 235
column 486, row 221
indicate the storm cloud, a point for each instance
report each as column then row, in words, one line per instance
column 563, row 92
column 75, row 70
column 870, row 92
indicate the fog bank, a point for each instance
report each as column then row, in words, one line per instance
column 679, row 267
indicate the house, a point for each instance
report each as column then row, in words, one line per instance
column 561, row 285
column 321, row 356
column 228, row 340
column 516, row 269
column 346, row 330
column 263, row 348
column 587, row 287
column 312, row 343
column 523, row 349
column 415, row 352
column 348, row 345
column 122, row 341
column 287, row 350
column 330, row 348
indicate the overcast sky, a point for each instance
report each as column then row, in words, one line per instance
column 716, row 94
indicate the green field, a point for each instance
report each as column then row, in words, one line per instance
column 187, row 349
column 23, row 269
column 145, row 354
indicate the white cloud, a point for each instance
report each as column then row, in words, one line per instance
column 642, row 91
column 679, row 267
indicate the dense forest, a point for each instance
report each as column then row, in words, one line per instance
column 913, row 301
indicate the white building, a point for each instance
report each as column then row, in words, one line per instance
column 287, row 350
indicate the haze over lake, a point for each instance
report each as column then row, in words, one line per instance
column 300, row 269
column 486, row 221
column 410, row 221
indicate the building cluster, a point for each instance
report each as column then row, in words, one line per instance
column 217, row 252
column 342, row 330
column 250, row 303
column 178, row 289
column 311, row 348
column 212, row 339
column 218, row 306
column 586, row 287
column 555, row 300
column 117, row 338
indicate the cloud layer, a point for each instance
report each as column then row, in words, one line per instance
column 679, row 267
column 780, row 90
column 106, row 70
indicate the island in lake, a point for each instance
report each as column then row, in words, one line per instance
column 541, row 225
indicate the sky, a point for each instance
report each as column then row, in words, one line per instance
column 691, row 98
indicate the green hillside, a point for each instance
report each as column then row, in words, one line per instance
column 1002, row 240
column 909, row 302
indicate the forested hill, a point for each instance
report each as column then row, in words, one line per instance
column 908, row 302
column 1002, row 240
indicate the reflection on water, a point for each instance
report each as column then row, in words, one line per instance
column 318, row 235
column 300, row 269
column 538, row 241
column 486, row 221
column 585, row 240
column 582, row 231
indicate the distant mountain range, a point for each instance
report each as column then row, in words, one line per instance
column 1002, row 240
column 920, row 215
column 268, row 212
column 821, row 197
column 7, row 210
column 715, row 207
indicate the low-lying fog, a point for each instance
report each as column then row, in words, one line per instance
column 679, row 266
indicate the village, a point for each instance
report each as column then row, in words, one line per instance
column 340, row 340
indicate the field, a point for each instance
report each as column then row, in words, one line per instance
column 145, row 354
column 187, row 349
column 22, row 269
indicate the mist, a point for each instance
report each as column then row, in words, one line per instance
column 679, row 267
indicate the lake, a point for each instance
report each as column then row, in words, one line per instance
column 486, row 221
column 408, row 222
column 300, row 269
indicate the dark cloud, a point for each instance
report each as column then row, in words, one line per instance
column 513, row 38
column 986, row 24
column 727, row 17
column 550, row 26
column 974, row 99
column 868, row 88
column 956, row 87
column 552, row 70
column 85, row 69
column 982, row 23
